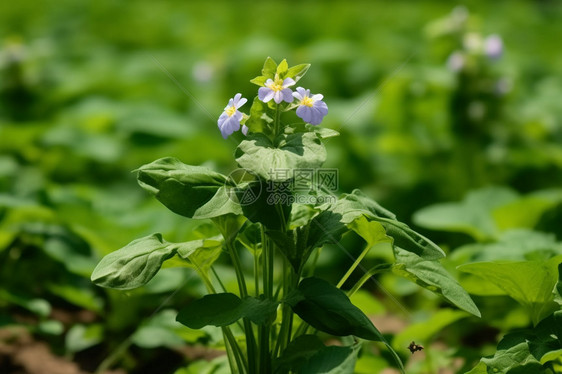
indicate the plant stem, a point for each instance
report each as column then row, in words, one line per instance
column 354, row 266
column 230, row 341
column 249, row 332
column 277, row 121
column 114, row 356
column 375, row 270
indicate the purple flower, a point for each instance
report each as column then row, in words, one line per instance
column 493, row 47
column 456, row 61
column 311, row 108
column 277, row 90
column 229, row 120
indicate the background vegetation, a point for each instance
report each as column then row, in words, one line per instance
column 90, row 91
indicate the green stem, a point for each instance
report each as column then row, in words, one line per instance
column 249, row 332
column 230, row 341
column 354, row 266
column 265, row 329
column 256, row 273
column 277, row 121
column 375, row 270
column 114, row 356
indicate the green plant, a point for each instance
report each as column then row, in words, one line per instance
column 273, row 209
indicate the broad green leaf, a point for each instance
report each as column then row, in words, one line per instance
column 515, row 357
column 224, row 309
column 352, row 206
column 297, row 353
column 372, row 232
column 367, row 302
column 515, row 245
column 258, row 121
column 267, row 72
column 219, row 365
column 524, row 212
column 197, row 254
column 191, row 191
column 162, row 330
column 80, row 337
column 41, row 307
column 259, row 311
column 327, row 308
column 288, row 152
column 250, row 237
column 431, row 275
column 422, row 332
column 261, row 203
column 217, row 310
column 269, row 67
column 558, row 288
column 282, row 68
column 332, row 360
column 528, row 282
column 80, row 295
column 526, row 351
column 135, row 264
column 297, row 72
column 472, row 216
column 51, row 327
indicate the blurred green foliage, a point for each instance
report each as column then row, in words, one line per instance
column 89, row 91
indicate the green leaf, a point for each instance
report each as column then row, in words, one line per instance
column 352, row 206
column 422, row 332
column 473, row 215
column 78, row 294
column 269, row 67
column 297, row 72
column 558, row 288
column 191, row 191
column 259, row 311
column 80, row 337
column 258, row 121
column 297, row 353
column 282, row 68
column 162, row 330
column 332, row 360
column 267, row 72
column 328, row 309
column 515, row 245
column 41, row 307
column 224, row 309
column 431, row 275
column 289, row 152
column 261, row 203
column 372, row 232
column 528, row 282
column 135, row 264
column 526, row 351
column 260, row 80
column 220, row 309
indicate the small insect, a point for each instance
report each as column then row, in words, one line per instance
column 413, row 347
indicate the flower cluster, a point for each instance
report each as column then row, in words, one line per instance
column 310, row 108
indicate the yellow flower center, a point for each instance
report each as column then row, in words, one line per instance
column 230, row 110
column 307, row 101
column 276, row 85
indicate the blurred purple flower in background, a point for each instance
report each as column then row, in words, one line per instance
column 456, row 61
column 493, row 46
column 311, row 108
